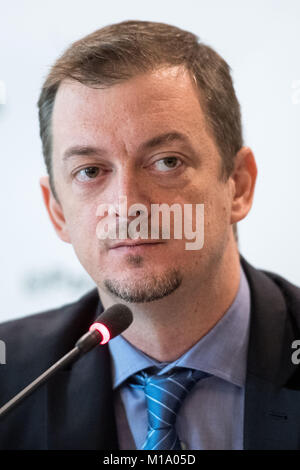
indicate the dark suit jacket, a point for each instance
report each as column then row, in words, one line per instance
column 75, row 410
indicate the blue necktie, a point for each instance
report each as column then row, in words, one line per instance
column 164, row 395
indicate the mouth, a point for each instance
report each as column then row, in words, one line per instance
column 135, row 244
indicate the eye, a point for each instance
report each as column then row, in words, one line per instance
column 87, row 173
column 168, row 163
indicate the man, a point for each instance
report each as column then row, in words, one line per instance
column 144, row 111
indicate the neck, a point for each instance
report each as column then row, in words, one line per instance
column 195, row 308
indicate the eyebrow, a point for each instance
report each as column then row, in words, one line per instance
column 165, row 138
column 86, row 150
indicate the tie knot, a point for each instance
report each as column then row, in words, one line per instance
column 165, row 393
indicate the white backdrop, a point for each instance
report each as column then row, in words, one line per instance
column 259, row 39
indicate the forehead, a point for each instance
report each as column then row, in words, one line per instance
column 159, row 101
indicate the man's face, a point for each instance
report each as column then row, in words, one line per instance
column 113, row 130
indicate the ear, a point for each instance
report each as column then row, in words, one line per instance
column 243, row 181
column 54, row 210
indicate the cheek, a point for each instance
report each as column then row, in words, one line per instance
column 217, row 218
column 214, row 196
column 81, row 224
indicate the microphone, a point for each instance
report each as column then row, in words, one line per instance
column 112, row 322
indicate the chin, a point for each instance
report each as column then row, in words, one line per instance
column 143, row 287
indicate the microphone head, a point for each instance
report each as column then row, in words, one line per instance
column 112, row 322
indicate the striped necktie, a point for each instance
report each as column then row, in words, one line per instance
column 164, row 396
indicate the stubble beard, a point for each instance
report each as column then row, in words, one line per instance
column 147, row 288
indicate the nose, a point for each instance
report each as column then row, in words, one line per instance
column 131, row 185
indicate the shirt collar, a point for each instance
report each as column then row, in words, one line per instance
column 222, row 352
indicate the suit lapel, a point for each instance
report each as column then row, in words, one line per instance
column 79, row 399
column 80, row 405
column 272, row 416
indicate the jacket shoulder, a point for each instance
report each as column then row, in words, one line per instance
column 33, row 343
column 290, row 292
column 51, row 322
column 270, row 281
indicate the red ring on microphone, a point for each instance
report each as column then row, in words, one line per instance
column 103, row 330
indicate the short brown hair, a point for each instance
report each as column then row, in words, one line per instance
column 120, row 51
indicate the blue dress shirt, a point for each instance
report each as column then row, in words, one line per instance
column 212, row 415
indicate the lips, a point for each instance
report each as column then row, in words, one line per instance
column 132, row 243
